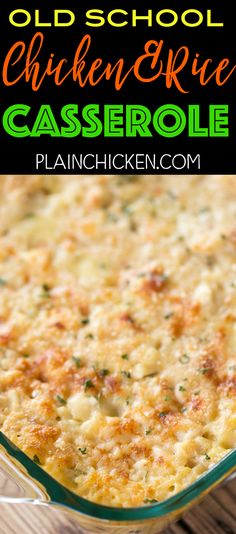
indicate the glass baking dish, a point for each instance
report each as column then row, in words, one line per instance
column 29, row 483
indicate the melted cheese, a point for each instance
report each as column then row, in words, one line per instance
column 118, row 329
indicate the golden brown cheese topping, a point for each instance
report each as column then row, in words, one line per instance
column 118, row 329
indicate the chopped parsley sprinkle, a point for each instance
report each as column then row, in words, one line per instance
column 184, row 359
column 205, row 209
column 126, row 209
column 104, row 372
column 164, row 277
column 61, row 400
column 83, row 450
column 46, row 288
column 150, row 501
column 181, row 388
column 112, row 217
column 168, row 315
column 166, row 398
column 25, row 355
column 126, row 373
column 77, row 361
column 36, row 460
column 2, row 282
column 141, row 275
column 85, row 321
column 124, row 356
column 207, row 457
column 162, row 415
column 197, row 392
column 88, row 384
column 150, row 375
column 89, row 336
column 148, row 431
column 204, row 370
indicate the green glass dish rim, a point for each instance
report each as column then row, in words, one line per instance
column 61, row 496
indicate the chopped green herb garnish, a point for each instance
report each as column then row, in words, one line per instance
column 25, row 355
column 126, row 209
column 83, row 450
column 181, row 388
column 141, row 275
column 197, row 392
column 164, row 277
column 104, row 372
column 205, row 209
column 150, row 501
column 184, row 358
column 148, row 431
column 150, row 375
column 46, row 288
column 85, row 321
column 61, row 400
column 166, row 398
column 112, row 217
column 88, row 384
column 45, row 291
column 162, row 415
column 77, row 361
column 89, row 336
column 2, row 282
column 126, row 373
column 204, row 370
column 168, row 315
column 125, row 357
column 207, row 457
column 36, row 460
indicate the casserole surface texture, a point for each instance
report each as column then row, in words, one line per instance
column 118, row 329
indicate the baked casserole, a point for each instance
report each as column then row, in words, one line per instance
column 118, row 329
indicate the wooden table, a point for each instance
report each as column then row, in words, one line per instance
column 216, row 515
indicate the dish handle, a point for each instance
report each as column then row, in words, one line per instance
column 16, row 485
